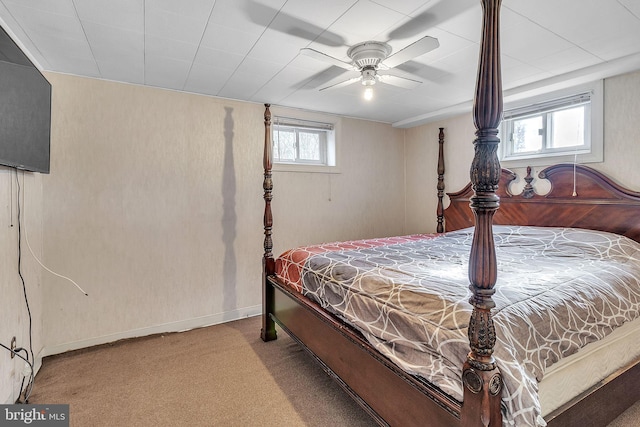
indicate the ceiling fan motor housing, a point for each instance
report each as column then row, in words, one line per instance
column 369, row 53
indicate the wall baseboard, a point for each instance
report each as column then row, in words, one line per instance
column 180, row 326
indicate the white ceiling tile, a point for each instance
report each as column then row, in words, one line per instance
column 517, row 75
column 250, row 49
column 336, row 102
column 114, row 13
column 228, row 39
column 449, row 44
column 307, row 62
column 243, row 85
column 165, row 72
column 126, row 70
column 262, row 70
column 170, row 48
column 567, row 60
column 528, row 41
column 465, row 22
column 423, row 72
column 365, row 20
column 579, row 25
column 461, row 59
column 77, row 66
column 184, row 28
column 218, row 58
column 526, row 78
column 424, row 101
column 615, row 44
column 455, row 87
column 62, row 49
column 109, row 43
column 245, row 15
column 406, row 7
column 632, row 6
column 59, row 7
column 207, row 79
column 293, row 21
column 193, row 8
column 292, row 77
column 56, row 51
column 294, row 29
column 274, row 92
column 316, row 14
column 276, row 47
column 46, row 24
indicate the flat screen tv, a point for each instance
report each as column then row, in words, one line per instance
column 25, row 110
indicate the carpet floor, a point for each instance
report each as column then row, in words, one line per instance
column 223, row 375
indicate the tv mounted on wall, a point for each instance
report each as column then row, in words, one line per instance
column 25, row 110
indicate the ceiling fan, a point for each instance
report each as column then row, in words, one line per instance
column 371, row 57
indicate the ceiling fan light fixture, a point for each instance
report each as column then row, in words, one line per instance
column 368, row 76
column 368, row 93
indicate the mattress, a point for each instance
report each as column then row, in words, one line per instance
column 558, row 290
column 580, row 371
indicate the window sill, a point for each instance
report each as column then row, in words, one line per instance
column 546, row 159
column 284, row 167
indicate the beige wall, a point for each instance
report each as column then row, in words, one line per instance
column 621, row 150
column 622, row 129
column 154, row 206
column 14, row 316
column 422, row 160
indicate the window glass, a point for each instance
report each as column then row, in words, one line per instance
column 568, row 128
column 527, row 135
column 284, row 145
column 310, row 146
column 301, row 142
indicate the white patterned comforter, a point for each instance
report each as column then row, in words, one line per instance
column 558, row 289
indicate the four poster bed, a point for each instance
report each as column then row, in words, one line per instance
column 396, row 323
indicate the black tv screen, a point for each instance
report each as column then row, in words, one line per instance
column 25, row 110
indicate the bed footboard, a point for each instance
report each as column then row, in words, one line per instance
column 388, row 394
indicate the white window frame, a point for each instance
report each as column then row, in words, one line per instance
column 592, row 151
column 328, row 152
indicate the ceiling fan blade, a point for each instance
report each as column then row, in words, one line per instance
column 343, row 83
column 415, row 49
column 330, row 59
column 403, row 82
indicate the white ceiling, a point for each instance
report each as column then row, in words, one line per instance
column 249, row 49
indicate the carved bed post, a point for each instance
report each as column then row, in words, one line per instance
column 440, row 210
column 268, row 331
column 481, row 378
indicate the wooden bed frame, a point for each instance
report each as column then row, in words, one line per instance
column 393, row 397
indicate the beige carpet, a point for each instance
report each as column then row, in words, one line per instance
column 222, row 375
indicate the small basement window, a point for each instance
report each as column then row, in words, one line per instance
column 303, row 142
column 563, row 129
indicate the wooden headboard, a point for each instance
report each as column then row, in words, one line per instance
column 598, row 203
